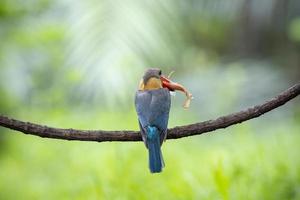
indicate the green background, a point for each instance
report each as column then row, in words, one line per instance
column 77, row 65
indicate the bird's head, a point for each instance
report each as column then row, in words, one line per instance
column 153, row 79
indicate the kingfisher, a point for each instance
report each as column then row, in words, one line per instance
column 152, row 104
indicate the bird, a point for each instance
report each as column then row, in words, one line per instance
column 152, row 104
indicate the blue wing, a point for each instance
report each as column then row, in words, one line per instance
column 153, row 108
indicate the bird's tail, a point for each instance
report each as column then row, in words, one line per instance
column 156, row 162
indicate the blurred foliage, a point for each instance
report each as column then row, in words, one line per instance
column 77, row 64
column 294, row 30
column 238, row 163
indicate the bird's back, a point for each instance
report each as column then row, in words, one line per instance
column 153, row 108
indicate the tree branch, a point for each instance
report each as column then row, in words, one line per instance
column 173, row 133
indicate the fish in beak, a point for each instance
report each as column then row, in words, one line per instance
column 172, row 86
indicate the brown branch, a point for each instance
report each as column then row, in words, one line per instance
column 173, row 133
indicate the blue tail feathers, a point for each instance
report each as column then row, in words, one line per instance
column 156, row 162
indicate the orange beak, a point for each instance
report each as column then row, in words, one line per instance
column 172, row 86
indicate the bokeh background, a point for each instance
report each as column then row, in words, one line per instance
column 78, row 63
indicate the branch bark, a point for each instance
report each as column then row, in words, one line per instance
column 173, row 133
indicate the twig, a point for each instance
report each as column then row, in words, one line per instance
column 173, row 133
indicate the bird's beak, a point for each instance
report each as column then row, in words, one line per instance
column 172, row 86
